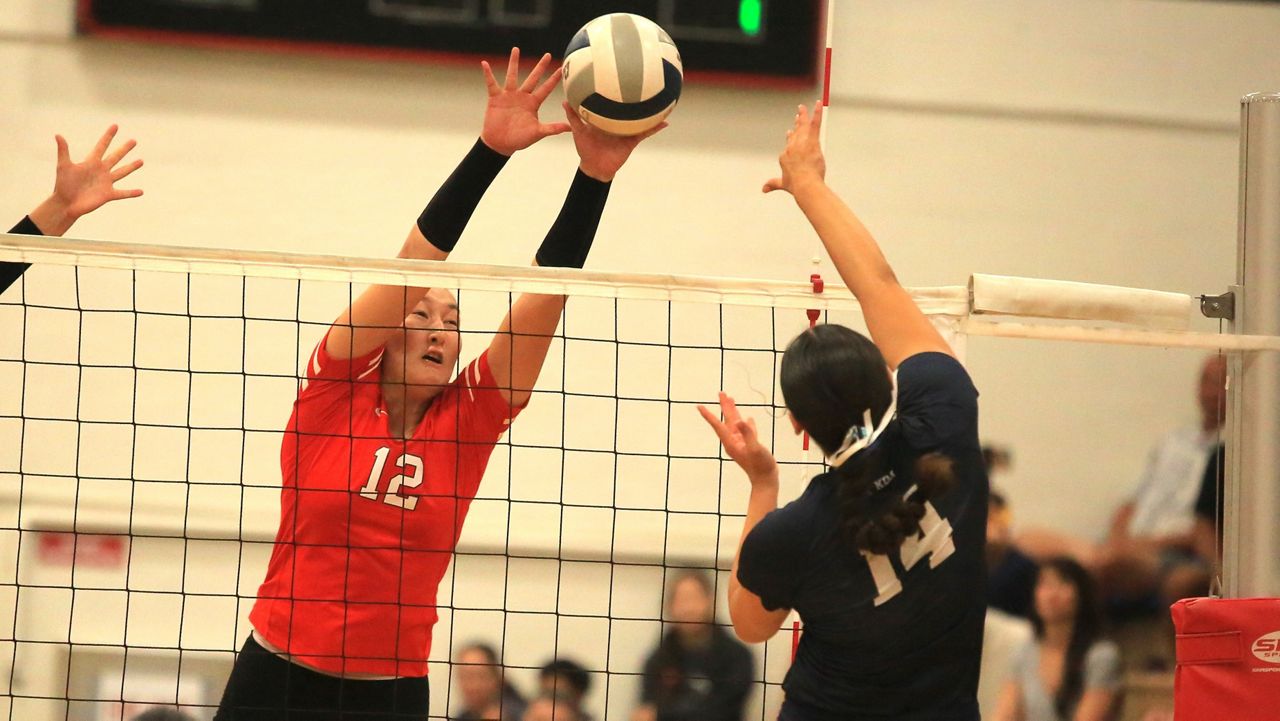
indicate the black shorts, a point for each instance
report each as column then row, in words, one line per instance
column 265, row 687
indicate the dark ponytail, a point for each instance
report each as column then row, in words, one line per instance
column 883, row 530
column 830, row 376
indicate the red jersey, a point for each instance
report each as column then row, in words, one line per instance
column 369, row 522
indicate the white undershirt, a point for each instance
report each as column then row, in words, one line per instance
column 353, row 676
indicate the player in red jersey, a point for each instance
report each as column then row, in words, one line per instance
column 384, row 451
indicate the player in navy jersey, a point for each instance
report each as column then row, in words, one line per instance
column 882, row 556
column 78, row 189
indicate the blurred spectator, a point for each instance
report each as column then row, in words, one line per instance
column 486, row 695
column 568, row 681
column 997, row 459
column 1067, row 672
column 553, row 707
column 1011, row 574
column 1151, row 534
column 699, row 672
column 163, row 713
column 1192, row 576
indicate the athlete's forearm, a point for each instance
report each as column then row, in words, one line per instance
column 52, row 217
column 568, row 242
column 855, row 253
column 446, row 216
column 895, row 322
column 763, row 499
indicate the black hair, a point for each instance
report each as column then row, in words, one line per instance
column 1086, row 629
column 484, row 649
column 564, row 707
column 830, row 377
column 491, row 660
column 994, row 456
column 702, row 578
column 572, row 672
column 163, row 713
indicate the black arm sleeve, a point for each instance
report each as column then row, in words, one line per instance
column 449, row 211
column 569, row 240
column 11, row 272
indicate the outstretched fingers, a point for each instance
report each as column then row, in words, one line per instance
column 114, row 158
column 513, row 69
column 490, row 82
column 125, row 171
column 543, row 91
column 575, row 122
column 100, row 150
column 549, row 129
column 64, row 151
column 729, row 409
column 802, row 127
column 535, row 76
column 651, row 132
column 716, row 424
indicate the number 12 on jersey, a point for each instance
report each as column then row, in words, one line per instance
column 934, row 541
column 410, row 477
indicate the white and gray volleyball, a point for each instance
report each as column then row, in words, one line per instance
column 622, row 74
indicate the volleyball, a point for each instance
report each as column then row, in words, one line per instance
column 622, row 74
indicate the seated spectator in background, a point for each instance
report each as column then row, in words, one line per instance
column 699, row 672
column 1152, row 533
column 1207, row 535
column 997, row 459
column 1011, row 574
column 1067, row 672
column 485, row 693
column 1192, row 576
column 553, row 707
column 566, row 680
column 163, row 713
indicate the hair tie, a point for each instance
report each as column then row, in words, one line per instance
column 863, row 435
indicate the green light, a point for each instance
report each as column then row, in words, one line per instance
column 750, row 16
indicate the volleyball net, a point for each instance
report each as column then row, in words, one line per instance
column 148, row 390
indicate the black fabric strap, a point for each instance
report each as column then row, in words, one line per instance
column 11, row 272
column 569, row 240
column 449, row 211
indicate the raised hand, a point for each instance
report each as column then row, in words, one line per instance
column 802, row 160
column 602, row 155
column 81, row 188
column 511, row 118
column 740, row 441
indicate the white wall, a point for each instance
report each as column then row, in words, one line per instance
column 1080, row 139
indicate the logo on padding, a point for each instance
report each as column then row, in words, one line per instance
column 1267, row 648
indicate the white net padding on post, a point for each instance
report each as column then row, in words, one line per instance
column 140, row 442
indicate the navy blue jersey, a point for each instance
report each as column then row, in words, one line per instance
column 887, row 637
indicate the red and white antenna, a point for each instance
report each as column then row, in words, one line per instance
column 815, row 277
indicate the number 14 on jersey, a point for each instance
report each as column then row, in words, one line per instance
column 933, row 541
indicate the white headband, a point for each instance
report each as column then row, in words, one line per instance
column 861, row 436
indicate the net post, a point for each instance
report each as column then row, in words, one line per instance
column 1251, row 497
